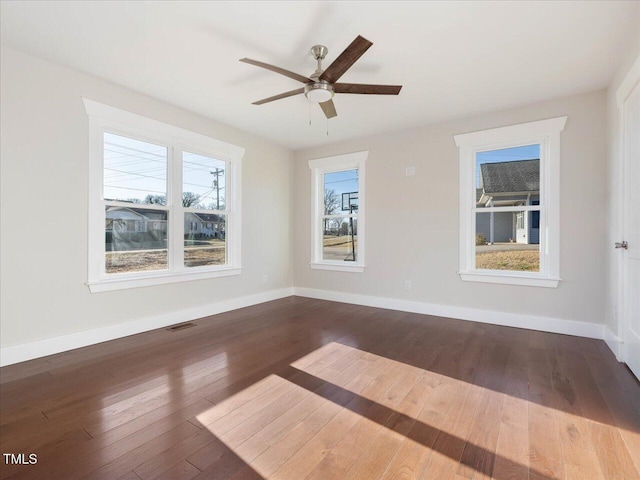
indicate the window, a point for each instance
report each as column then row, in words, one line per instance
column 164, row 202
column 509, row 204
column 337, row 203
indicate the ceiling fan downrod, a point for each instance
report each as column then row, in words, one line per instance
column 319, row 52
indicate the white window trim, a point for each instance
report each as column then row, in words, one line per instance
column 547, row 134
column 107, row 118
column 318, row 168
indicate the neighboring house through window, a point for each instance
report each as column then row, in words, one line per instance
column 337, row 212
column 153, row 187
column 509, row 204
column 506, row 180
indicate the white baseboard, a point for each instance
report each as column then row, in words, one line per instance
column 613, row 342
column 545, row 324
column 49, row 346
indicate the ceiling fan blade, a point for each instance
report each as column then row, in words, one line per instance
column 364, row 89
column 329, row 108
column 297, row 91
column 281, row 71
column 347, row 58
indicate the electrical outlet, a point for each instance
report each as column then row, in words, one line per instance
column 265, row 278
column 410, row 171
column 407, row 284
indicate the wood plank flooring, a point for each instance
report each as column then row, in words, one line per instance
column 307, row 389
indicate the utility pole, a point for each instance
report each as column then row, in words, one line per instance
column 216, row 184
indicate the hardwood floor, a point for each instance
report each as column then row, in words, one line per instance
column 308, row 389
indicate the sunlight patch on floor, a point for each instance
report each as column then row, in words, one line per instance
column 341, row 412
column 283, row 430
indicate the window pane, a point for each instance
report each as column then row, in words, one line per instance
column 135, row 240
column 203, row 182
column 205, row 239
column 507, row 241
column 134, row 171
column 340, row 239
column 341, row 192
column 508, row 177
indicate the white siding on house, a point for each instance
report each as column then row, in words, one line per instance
column 482, row 224
column 502, row 226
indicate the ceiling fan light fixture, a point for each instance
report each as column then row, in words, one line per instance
column 318, row 92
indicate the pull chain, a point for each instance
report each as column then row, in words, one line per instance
column 327, row 127
column 309, row 113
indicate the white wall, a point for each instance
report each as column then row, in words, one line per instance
column 412, row 222
column 44, row 165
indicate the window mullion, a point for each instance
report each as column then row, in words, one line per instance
column 229, row 218
column 176, row 213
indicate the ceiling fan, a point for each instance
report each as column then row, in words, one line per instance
column 320, row 86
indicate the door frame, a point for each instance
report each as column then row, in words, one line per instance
column 623, row 212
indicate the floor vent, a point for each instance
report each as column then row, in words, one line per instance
column 182, row 326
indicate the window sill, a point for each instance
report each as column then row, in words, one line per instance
column 337, row 267
column 122, row 283
column 510, row 279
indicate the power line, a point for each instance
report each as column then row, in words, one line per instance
column 150, row 169
column 340, row 181
column 208, row 164
column 164, row 156
column 186, row 169
column 165, row 149
column 133, row 172
column 163, row 160
column 164, row 179
column 152, row 177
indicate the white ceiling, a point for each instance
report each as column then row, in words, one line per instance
column 454, row 59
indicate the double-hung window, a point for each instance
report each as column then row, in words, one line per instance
column 337, row 212
column 510, row 204
column 164, row 202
